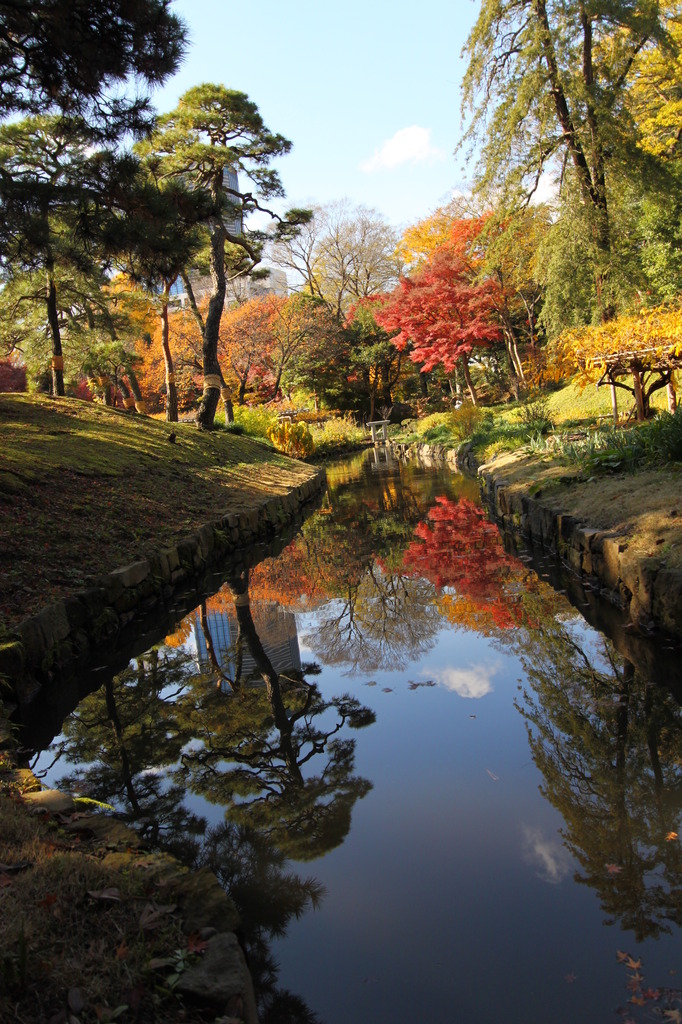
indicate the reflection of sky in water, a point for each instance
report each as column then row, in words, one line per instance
column 453, row 896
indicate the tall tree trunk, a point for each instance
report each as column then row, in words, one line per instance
column 639, row 395
column 239, row 587
column 467, row 377
column 171, row 390
column 387, row 398
column 213, row 378
column 591, row 178
column 53, row 321
column 128, row 400
column 672, row 397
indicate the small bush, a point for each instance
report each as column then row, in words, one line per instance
column 534, row 415
column 466, row 419
column 294, row 439
column 12, row 376
column 338, row 434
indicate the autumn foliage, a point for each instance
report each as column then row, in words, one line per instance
column 444, row 313
column 458, row 548
column 645, row 347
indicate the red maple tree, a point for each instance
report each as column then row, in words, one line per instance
column 443, row 313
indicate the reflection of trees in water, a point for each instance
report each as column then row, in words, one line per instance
column 258, row 760
column 609, row 746
column 268, row 898
column 272, row 754
column 381, row 622
column 124, row 740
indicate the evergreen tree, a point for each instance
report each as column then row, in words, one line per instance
column 213, row 136
column 70, row 57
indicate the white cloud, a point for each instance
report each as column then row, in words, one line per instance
column 549, row 857
column 408, row 146
column 467, row 682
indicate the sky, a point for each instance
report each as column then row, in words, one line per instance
column 367, row 91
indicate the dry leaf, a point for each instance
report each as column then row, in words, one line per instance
column 105, row 894
column 152, row 916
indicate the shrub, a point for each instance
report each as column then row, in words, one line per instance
column 292, row 438
column 338, row 433
column 534, row 415
column 12, row 376
column 465, row 420
column 256, row 420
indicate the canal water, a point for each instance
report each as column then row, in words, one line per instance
column 433, row 790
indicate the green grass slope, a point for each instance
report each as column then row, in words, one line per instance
column 85, row 489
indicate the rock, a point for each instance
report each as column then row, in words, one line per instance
column 50, row 800
column 106, row 831
column 203, row 903
column 221, row 974
column 23, row 779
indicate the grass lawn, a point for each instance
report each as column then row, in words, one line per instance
column 85, row 489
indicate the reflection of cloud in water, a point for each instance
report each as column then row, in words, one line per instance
column 467, row 682
column 549, row 857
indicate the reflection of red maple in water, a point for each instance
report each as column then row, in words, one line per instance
column 459, row 548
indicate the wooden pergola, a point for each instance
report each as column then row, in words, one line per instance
column 650, row 370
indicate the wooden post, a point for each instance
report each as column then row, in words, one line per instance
column 639, row 396
column 614, row 403
column 672, row 397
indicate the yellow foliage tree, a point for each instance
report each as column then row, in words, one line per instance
column 655, row 97
column 644, row 346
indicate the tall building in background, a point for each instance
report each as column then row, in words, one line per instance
column 242, row 288
column 275, row 627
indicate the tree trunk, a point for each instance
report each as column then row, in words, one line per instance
column 128, row 400
column 240, row 592
column 387, row 397
column 424, row 384
column 228, row 406
column 213, row 378
column 53, row 320
column 171, row 390
column 469, row 382
column 134, row 387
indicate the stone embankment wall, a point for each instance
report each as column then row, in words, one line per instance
column 648, row 592
column 69, row 633
column 458, row 459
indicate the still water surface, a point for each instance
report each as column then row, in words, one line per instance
column 435, row 793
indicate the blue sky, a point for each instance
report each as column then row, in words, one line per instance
column 368, row 92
